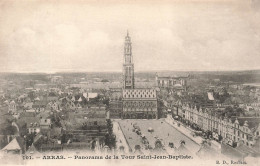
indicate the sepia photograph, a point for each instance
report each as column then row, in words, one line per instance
column 130, row 82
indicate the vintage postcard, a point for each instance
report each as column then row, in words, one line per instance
column 130, row 82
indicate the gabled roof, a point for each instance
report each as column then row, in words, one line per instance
column 41, row 103
column 37, row 138
column 45, row 122
column 252, row 122
column 27, row 114
column 210, row 96
column 28, row 121
column 52, row 94
column 12, row 102
column 28, row 104
column 56, row 131
column 43, row 115
column 80, row 99
column 15, row 144
column 32, row 149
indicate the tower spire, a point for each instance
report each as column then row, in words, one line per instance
column 128, row 66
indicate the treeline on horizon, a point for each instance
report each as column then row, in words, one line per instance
column 252, row 76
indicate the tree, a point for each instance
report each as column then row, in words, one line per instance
column 106, row 101
column 104, row 80
column 240, row 111
column 29, row 138
column 8, row 130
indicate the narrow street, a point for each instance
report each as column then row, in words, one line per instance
column 120, row 138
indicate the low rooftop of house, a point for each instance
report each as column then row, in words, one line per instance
column 252, row 122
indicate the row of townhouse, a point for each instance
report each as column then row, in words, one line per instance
column 231, row 130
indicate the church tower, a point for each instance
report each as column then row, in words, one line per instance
column 128, row 65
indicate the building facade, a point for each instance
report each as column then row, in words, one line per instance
column 231, row 130
column 140, row 104
column 178, row 83
column 115, row 103
column 12, row 107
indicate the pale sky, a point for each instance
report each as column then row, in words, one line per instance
column 51, row 36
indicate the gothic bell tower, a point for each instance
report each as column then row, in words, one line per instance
column 128, row 65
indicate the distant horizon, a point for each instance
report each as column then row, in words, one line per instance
column 141, row 71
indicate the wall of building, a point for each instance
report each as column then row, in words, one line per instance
column 230, row 131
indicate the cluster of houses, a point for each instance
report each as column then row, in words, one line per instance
column 48, row 101
column 232, row 131
column 36, row 113
column 211, row 120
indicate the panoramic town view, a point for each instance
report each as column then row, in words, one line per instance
column 131, row 82
column 173, row 115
